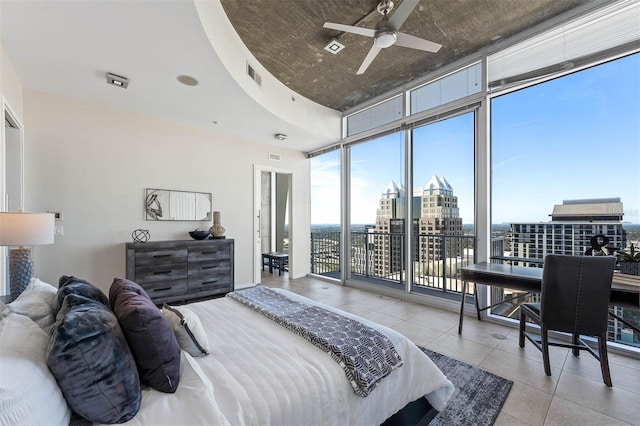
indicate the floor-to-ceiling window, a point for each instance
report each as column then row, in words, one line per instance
column 377, row 210
column 325, row 214
column 443, row 203
column 565, row 162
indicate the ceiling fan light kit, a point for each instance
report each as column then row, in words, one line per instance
column 386, row 33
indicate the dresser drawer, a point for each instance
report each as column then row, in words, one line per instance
column 208, row 285
column 166, row 291
column 152, row 273
column 161, row 257
column 208, row 253
column 211, row 268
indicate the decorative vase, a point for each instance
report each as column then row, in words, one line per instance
column 216, row 230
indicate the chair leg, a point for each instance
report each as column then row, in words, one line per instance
column 545, row 349
column 604, row 359
column 523, row 320
column 576, row 342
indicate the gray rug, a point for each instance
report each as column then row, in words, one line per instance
column 479, row 395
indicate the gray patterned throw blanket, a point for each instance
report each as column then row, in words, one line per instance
column 365, row 354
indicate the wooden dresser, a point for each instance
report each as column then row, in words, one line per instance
column 182, row 271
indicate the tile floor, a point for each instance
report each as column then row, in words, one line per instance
column 573, row 395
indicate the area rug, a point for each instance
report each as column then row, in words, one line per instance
column 479, row 395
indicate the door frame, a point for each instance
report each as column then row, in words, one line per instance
column 257, row 205
column 7, row 111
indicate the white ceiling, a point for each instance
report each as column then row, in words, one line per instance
column 67, row 47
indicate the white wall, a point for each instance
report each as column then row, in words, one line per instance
column 10, row 86
column 93, row 163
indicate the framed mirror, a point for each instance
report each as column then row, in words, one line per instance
column 167, row 204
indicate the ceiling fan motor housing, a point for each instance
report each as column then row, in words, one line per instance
column 385, row 38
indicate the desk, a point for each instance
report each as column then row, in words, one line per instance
column 625, row 289
column 275, row 260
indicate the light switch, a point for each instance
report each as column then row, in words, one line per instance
column 59, row 230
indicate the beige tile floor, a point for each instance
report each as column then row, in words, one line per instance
column 573, row 395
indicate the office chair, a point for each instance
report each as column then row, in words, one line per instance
column 574, row 299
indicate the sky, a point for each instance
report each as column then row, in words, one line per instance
column 574, row 137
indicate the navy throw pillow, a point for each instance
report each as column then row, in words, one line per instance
column 149, row 335
column 68, row 284
column 89, row 357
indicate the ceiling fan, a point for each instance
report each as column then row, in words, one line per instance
column 386, row 33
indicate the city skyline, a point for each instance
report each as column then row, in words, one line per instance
column 574, row 137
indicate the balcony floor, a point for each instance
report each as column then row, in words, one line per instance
column 573, row 395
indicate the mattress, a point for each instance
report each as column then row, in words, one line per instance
column 260, row 373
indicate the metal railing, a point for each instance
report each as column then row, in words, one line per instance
column 380, row 258
column 325, row 253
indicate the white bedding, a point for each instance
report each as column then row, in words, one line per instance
column 259, row 373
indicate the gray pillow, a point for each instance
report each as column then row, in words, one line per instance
column 89, row 357
column 149, row 334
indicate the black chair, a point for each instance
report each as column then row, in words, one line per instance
column 575, row 300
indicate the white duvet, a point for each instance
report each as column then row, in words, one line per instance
column 259, row 373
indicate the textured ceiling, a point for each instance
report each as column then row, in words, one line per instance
column 287, row 38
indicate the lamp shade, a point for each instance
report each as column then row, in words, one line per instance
column 26, row 229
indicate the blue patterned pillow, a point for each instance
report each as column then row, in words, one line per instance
column 68, row 284
column 89, row 357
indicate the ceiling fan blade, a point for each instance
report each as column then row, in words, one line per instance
column 370, row 57
column 350, row 29
column 406, row 40
column 402, row 13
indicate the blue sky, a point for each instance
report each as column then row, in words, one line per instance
column 570, row 138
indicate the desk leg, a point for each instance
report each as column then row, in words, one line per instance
column 475, row 294
column 464, row 295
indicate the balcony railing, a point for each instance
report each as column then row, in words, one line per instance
column 380, row 258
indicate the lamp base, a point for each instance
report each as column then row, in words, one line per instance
column 20, row 270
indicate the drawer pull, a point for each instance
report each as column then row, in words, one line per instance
column 210, row 252
column 209, row 282
column 161, row 255
column 162, row 272
column 208, row 267
column 162, row 289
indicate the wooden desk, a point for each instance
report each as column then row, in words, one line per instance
column 625, row 289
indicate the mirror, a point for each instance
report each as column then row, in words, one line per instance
column 165, row 204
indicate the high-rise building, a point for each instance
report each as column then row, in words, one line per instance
column 573, row 224
column 434, row 212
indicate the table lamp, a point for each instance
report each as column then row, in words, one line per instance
column 23, row 230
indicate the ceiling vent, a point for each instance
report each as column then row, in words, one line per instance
column 334, row 46
column 274, row 157
column 117, row 80
column 251, row 72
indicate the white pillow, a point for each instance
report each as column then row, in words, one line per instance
column 29, row 394
column 36, row 302
column 188, row 329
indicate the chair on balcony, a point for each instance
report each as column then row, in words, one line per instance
column 575, row 300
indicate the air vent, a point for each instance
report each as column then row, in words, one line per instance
column 251, row 72
column 274, row 157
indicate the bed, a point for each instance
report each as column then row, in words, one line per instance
column 255, row 372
